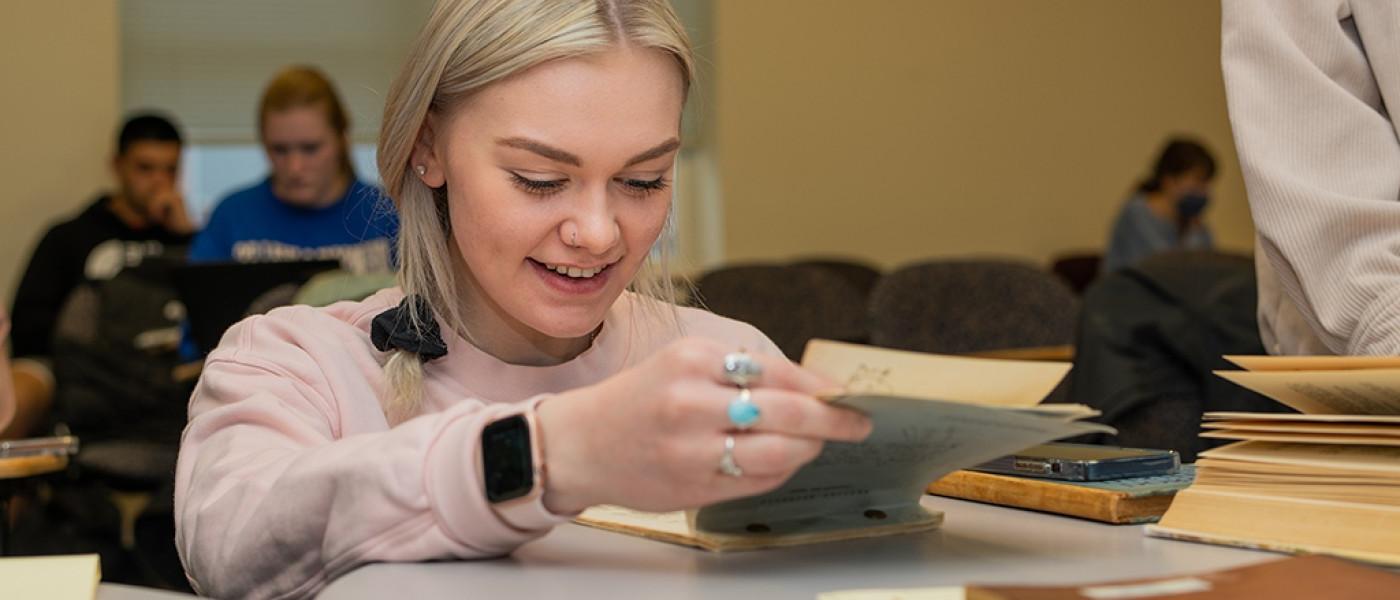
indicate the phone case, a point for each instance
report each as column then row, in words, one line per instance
column 1165, row 462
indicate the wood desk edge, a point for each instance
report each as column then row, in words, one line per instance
column 28, row 466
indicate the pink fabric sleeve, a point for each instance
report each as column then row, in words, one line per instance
column 271, row 500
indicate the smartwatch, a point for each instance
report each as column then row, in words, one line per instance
column 512, row 471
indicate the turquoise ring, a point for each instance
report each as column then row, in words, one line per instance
column 743, row 413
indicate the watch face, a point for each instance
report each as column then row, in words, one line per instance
column 505, row 458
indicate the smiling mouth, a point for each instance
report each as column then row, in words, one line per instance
column 574, row 272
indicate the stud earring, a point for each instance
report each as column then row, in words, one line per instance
column 420, row 170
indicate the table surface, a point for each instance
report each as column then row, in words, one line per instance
column 977, row 544
column 116, row 591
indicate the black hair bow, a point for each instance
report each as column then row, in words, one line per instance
column 393, row 330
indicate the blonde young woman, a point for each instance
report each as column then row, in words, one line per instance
column 511, row 380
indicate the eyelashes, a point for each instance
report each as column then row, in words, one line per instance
column 538, row 187
column 549, row 187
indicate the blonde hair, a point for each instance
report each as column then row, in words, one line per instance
column 300, row 86
column 466, row 46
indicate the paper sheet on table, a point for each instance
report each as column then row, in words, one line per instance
column 985, row 381
column 1372, row 458
column 1252, row 416
column 1302, row 438
column 1303, row 427
column 1346, row 392
column 50, row 577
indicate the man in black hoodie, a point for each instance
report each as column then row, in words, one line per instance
column 143, row 216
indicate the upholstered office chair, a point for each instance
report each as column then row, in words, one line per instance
column 114, row 358
column 791, row 304
column 1079, row 270
column 965, row 306
column 861, row 275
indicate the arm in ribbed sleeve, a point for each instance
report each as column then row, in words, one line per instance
column 1307, row 84
column 272, row 501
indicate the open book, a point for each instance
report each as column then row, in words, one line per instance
column 932, row 414
column 1324, row 481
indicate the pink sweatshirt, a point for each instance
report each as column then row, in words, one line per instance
column 290, row 475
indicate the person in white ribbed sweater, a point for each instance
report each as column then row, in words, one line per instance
column 1308, row 83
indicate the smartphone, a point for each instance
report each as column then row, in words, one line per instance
column 65, row 444
column 1084, row 462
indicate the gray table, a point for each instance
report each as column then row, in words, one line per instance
column 117, row 591
column 977, row 543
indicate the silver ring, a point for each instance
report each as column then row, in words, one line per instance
column 726, row 460
column 741, row 369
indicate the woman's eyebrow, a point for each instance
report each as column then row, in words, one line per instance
column 660, row 150
column 569, row 158
column 542, row 149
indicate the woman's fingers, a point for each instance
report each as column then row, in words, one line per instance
column 789, row 413
column 763, row 455
column 773, row 372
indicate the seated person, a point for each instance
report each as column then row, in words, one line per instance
column 143, row 217
column 531, row 174
column 1165, row 212
column 311, row 206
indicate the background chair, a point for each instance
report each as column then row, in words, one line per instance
column 1079, row 270
column 791, row 304
column 966, row 306
column 114, row 357
column 861, row 275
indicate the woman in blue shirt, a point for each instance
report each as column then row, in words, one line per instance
column 1165, row 212
column 311, row 207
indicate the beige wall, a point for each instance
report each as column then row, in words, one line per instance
column 902, row 129
column 59, row 66
column 887, row 129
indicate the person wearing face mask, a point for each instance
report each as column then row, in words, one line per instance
column 530, row 363
column 311, row 206
column 1165, row 212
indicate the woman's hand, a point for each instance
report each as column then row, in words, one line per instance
column 651, row 437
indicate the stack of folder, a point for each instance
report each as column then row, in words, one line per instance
column 1324, row 481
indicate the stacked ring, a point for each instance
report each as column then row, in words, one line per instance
column 726, row 460
column 741, row 369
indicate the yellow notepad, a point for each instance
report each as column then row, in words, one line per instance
column 72, row 577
